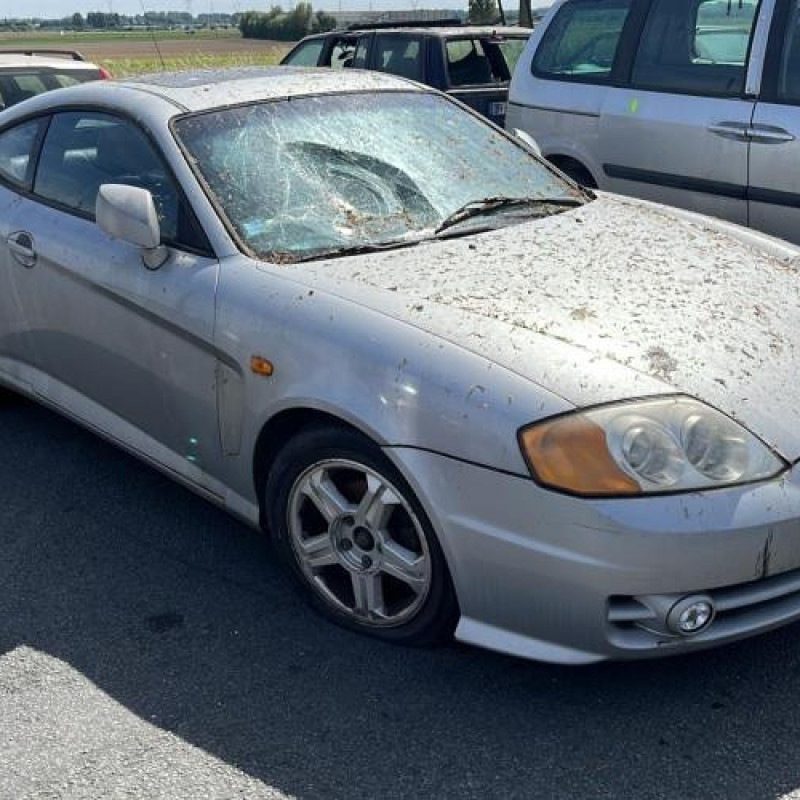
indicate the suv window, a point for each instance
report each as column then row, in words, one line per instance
column 481, row 60
column 581, row 42
column 306, row 54
column 789, row 78
column 349, row 52
column 17, row 148
column 696, row 48
column 399, row 55
column 84, row 150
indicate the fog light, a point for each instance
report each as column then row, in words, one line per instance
column 691, row 615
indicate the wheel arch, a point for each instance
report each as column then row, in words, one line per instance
column 573, row 167
column 281, row 427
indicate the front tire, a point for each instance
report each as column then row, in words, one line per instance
column 356, row 540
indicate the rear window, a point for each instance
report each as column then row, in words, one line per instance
column 581, row 42
column 19, row 85
column 477, row 61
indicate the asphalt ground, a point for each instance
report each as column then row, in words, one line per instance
column 150, row 647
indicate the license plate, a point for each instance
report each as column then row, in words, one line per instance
column 497, row 109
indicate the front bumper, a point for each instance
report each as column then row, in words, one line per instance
column 557, row 578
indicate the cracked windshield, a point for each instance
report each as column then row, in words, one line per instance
column 333, row 174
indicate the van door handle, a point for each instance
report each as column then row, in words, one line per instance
column 770, row 134
column 20, row 243
column 738, row 131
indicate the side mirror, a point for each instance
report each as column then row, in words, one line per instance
column 129, row 213
column 527, row 140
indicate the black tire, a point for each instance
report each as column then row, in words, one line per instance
column 435, row 620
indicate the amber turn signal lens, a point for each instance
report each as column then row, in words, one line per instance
column 571, row 453
column 261, row 366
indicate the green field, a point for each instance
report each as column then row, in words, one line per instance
column 125, row 67
column 126, row 53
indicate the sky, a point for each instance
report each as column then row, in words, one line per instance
column 61, row 8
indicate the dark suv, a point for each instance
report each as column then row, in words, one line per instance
column 474, row 64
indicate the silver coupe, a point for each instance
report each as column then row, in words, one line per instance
column 464, row 395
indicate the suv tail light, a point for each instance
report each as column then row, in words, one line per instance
column 105, row 74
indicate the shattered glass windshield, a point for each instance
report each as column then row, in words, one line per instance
column 315, row 176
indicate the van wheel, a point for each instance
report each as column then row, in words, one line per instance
column 356, row 540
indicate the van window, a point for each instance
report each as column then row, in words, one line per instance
column 581, row 42
column 696, row 48
column 789, row 79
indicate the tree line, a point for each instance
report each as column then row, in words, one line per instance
column 285, row 26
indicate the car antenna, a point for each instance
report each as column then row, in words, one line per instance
column 153, row 34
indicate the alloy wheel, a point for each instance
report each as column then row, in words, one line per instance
column 359, row 543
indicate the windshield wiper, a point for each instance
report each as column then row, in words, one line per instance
column 356, row 250
column 489, row 205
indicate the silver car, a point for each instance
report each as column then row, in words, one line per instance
column 462, row 394
column 26, row 73
column 695, row 103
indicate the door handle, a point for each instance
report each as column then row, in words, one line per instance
column 738, row 131
column 758, row 134
column 20, row 244
column 770, row 134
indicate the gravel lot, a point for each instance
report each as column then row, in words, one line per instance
column 151, row 648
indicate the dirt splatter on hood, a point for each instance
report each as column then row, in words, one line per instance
column 613, row 300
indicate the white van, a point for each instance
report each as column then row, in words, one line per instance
column 694, row 103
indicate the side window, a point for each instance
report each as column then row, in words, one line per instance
column 789, row 78
column 581, row 42
column 306, row 55
column 349, row 52
column 399, row 55
column 17, row 152
column 74, row 77
column 84, row 150
column 16, row 88
column 467, row 64
column 696, row 48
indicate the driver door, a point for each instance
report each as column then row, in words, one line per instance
column 127, row 350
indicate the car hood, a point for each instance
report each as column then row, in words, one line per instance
column 616, row 299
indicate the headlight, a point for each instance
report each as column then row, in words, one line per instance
column 673, row 444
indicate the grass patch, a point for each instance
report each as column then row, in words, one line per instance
column 125, row 67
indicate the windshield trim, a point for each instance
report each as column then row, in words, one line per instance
column 237, row 240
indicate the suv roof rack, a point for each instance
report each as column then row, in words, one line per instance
column 407, row 23
column 49, row 51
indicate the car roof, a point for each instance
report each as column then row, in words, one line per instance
column 205, row 89
column 21, row 60
column 454, row 32
column 198, row 90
